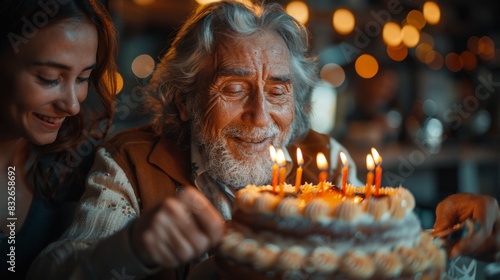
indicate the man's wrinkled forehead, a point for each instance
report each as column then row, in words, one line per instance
column 254, row 54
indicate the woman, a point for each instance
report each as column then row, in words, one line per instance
column 51, row 52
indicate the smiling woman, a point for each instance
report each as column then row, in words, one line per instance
column 51, row 55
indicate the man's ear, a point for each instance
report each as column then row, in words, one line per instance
column 183, row 113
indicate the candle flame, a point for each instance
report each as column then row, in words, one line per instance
column 321, row 161
column 272, row 151
column 300, row 159
column 343, row 157
column 280, row 157
column 376, row 157
column 370, row 164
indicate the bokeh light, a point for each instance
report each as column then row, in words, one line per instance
column 422, row 50
column 366, row 66
column 392, row 34
column 416, row 18
column 143, row 66
column 298, row 10
column 469, row 60
column 453, row 62
column 410, row 35
column 432, row 12
column 333, row 74
column 118, row 80
column 434, row 60
column 343, row 21
column 398, row 53
column 472, row 44
column 486, row 48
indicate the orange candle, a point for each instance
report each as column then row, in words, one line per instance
column 274, row 180
column 345, row 171
column 370, row 165
column 378, row 171
column 323, row 166
column 280, row 158
column 298, row 176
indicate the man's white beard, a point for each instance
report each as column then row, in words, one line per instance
column 222, row 165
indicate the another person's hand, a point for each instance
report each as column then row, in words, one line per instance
column 177, row 231
column 483, row 244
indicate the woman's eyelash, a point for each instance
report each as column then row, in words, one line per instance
column 48, row 81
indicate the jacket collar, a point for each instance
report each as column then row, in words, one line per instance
column 171, row 159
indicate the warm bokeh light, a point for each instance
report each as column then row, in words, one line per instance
column 392, row 34
column 416, row 18
column 144, row 2
column 410, row 35
column 422, row 50
column 333, row 74
column 453, row 62
column 398, row 53
column 343, row 21
column 143, row 66
column 469, row 60
column 366, row 66
column 427, row 38
column 472, row 44
column 298, row 10
column 486, row 48
column 434, row 60
column 118, row 80
column 432, row 12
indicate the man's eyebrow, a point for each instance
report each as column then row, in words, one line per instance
column 60, row 65
column 234, row 72
column 245, row 73
column 282, row 79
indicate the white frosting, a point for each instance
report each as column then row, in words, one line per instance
column 318, row 210
column 266, row 202
column 288, row 207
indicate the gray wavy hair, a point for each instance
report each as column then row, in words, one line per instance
column 188, row 68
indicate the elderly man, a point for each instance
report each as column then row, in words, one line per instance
column 235, row 81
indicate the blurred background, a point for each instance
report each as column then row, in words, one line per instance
column 417, row 80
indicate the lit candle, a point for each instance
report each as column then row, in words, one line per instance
column 345, row 171
column 280, row 158
column 274, row 180
column 323, row 166
column 298, row 176
column 370, row 165
column 378, row 170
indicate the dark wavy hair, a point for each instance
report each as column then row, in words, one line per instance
column 186, row 70
column 88, row 124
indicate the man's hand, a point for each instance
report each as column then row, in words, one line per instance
column 484, row 243
column 177, row 231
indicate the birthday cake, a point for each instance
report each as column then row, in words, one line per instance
column 323, row 232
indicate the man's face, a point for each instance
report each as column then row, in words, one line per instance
column 249, row 106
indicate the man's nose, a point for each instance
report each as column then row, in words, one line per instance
column 257, row 110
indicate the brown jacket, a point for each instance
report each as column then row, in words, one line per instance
column 156, row 166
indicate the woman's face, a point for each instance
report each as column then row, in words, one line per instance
column 45, row 81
